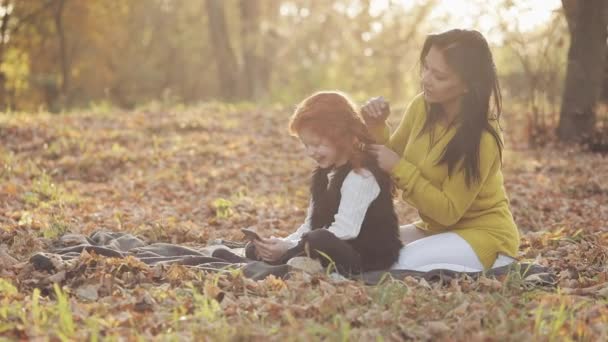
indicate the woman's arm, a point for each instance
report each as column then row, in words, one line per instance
column 399, row 138
column 448, row 203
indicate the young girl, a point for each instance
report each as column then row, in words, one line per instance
column 350, row 217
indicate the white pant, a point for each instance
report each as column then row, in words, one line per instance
column 446, row 251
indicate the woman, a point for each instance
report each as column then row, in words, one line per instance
column 446, row 156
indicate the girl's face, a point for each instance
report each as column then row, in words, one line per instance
column 440, row 83
column 324, row 152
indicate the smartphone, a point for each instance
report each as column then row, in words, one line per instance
column 250, row 234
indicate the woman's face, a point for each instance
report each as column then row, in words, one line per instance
column 440, row 83
column 320, row 149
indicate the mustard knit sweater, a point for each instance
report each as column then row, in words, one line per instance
column 479, row 213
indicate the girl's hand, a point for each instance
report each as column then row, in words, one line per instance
column 375, row 111
column 271, row 249
column 387, row 158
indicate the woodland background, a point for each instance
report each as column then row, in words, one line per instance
column 57, row 55
column 168, row 119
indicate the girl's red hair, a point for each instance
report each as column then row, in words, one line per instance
column 332, row 115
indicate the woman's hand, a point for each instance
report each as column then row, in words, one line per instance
column 387, row 158
column 271, row 249
column 375, row 111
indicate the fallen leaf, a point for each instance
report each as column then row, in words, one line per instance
column 437, row 327
column 88, row 292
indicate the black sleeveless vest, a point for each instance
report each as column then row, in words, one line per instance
column 378, row 241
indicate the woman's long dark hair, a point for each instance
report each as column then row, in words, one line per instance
column 468, row 54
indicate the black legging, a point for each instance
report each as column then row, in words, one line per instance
column 321, row 241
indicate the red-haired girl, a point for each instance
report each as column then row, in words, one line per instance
column 350, row 217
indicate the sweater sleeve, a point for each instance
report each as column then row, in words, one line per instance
column 448, row 203
column 294, row 237
column 401, row 135
column 358, row 191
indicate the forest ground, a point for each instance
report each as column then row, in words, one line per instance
column 193, row 174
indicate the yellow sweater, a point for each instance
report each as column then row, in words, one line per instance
column 480, row 213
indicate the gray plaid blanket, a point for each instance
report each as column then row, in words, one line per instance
column 121, row 245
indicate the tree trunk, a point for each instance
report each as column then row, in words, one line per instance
column 65, row 67
column 3, row 41
column 269, row 45
column 604, row 95
column 227, row 67
column 249, row 39
column 586, row 62
column 570, row 12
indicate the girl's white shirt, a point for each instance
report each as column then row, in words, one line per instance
column 358, row 191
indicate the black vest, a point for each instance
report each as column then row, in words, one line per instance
column 378, row 241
